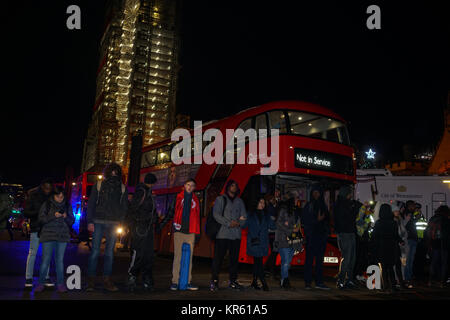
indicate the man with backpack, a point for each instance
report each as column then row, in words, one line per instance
column 107, row 207
column 437, row 234
column 37, row 197
column 229, row 212
column 141, row 218
column 185, row 212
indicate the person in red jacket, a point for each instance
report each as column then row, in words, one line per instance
column 185, row 212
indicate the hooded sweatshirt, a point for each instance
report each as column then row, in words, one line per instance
column 345, row 212
column 310, row 215
column 234, row 209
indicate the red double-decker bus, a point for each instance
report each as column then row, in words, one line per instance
column 314, row 147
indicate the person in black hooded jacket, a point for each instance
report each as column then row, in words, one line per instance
column 345, row 211
column 385, row 239
column 315, row 218
column 142, row 220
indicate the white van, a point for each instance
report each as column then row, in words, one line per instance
column 380, row 185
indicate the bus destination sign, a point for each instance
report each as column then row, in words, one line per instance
column 319, row 160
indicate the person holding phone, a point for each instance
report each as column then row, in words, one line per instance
column 55, row 218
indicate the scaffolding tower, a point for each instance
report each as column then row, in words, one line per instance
column 136, row 81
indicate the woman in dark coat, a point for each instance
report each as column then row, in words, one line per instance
column 288, row 223
column 258, row 222
column 55, row 218
column 385, row 239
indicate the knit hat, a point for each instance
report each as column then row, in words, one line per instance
column 395, row 207
column 150, row 178
column 344, row 191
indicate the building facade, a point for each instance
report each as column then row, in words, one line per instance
column 136, row 80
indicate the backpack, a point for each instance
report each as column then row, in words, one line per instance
column 141, row 225
column 103, row 199
column 212, row 227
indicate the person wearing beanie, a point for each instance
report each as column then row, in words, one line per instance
column 185, row 213
column 142, row 220
column 345, row 212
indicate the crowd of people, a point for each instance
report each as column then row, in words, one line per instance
column 381, row 234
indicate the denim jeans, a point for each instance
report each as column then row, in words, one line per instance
column 32, row 252
column 47, row 252
column 347, row 246
column 286, row 255
column 110, row 234
column 412, row 245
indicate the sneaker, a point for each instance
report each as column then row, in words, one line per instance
column 235, row 285
column 351, row 285
column 308, row 286
column 409, row 285
column 286, row 284
column 131, row 283
column 174, row 287
column 148, row 287
column 39, row 288
column 48, row 283
column 62, row 288
column 322, row 286
column 191, row 287
column 28, row 283
column 340, row 286
column 214, row 285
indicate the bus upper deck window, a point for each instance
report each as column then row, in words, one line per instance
column 277, row 120
column 316, row 126
column 261, row 123
column 149, row 159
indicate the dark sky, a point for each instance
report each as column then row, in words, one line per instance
column 391, row 84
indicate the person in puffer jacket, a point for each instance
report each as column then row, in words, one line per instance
column 55, row 219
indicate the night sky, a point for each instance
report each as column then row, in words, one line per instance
column 390, row 84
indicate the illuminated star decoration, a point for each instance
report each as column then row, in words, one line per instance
column 370, row 154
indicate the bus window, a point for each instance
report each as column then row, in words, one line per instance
column 199, row 195
column 163, row 154
column 246, row 124
column 315, row 126
column 261, row 123
column 161, row 204
column 148, row 159
column 88, row 190
column 277, row 121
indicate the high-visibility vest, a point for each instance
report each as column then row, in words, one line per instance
column 421, row 225
column 363, row 220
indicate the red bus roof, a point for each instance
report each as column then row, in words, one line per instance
column 233, row 120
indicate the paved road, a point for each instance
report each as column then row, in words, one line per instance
column 12, row 268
